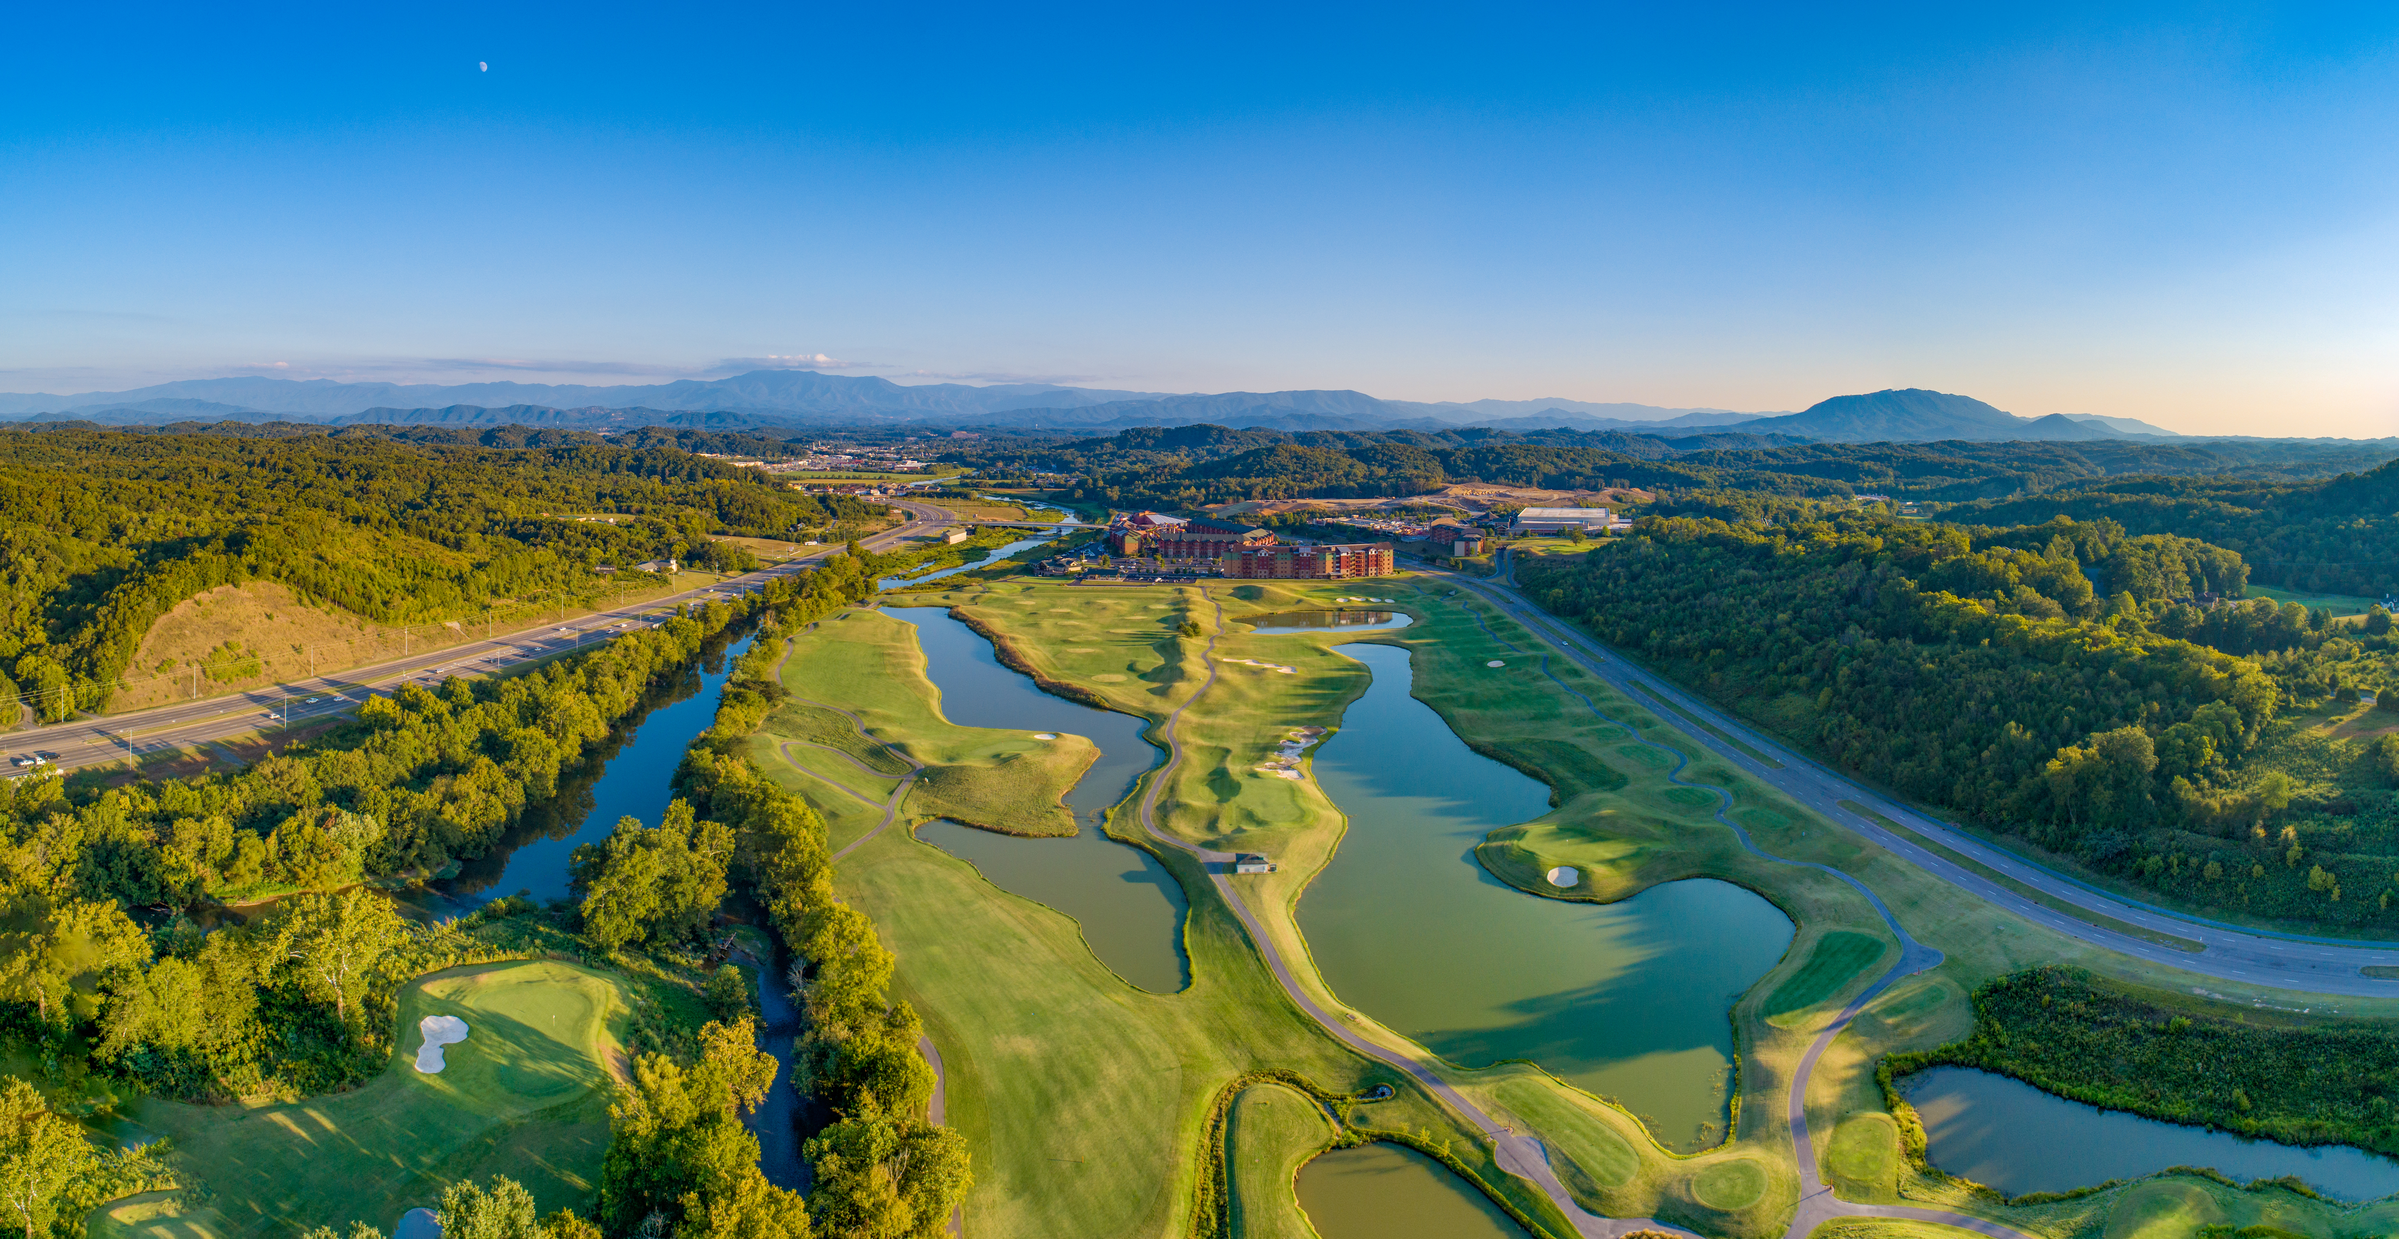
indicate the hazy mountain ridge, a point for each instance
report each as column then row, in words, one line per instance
column 800, row 397
column 808, row 398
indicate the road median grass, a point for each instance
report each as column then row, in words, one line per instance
column 2035, row 894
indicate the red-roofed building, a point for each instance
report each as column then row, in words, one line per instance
column 1169, row 539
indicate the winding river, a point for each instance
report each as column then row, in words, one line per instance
column 633, row 776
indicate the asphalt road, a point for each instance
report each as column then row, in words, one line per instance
column 2226, row 952
column 114, row 738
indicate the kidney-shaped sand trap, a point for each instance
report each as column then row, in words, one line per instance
column 439, row 1030
column 1564, row 875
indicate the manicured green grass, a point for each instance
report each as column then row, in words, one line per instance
column 1083, row 1099
column 1864, row 1156
column 2339, row 604
column 1272, row 1132
column 1594, row 1150
column 1034, row 1037
column 1832, row 964
column 817, row 725
column 1730, row 1185
column 2163, row 1211
column 525, row 1095
column 868, row 663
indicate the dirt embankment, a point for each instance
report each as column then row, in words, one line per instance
column 242, row 636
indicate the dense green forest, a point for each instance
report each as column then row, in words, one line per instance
column 2060, row 681
column 1186, row 466
column 101, row 533
column 300, row 1000
column 2338, row 537
column 2057, row 1030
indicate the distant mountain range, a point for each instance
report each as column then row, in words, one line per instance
column 1913, row 414
column 805, row 398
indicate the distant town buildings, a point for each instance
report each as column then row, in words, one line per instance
column 1357, row 559
column 1454, row 540
column 1203, row 546
column 1559, row 520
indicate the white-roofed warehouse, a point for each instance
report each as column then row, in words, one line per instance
column 1559, row 520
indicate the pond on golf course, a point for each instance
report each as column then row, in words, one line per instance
column 1325, row 621
column 1975, row 1124
column 1628, row 1000
column 1386, row 1191
column 1129, row 907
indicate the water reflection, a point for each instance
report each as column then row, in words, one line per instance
column 1129, row 907
column 1278, row 622
column 1386, row 1191
column 1628, row 1000
column 1978, row 1126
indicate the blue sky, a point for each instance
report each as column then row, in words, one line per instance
column 2186, row 215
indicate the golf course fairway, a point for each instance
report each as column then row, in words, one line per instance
column 525, row 1095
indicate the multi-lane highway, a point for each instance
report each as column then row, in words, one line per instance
column 114, row 738
column 2226, row 952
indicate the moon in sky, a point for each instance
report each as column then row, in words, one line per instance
column 483, row 65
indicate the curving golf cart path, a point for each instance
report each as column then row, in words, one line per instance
column 899, row 794
column 1521, row 1155
column 1817, row 1204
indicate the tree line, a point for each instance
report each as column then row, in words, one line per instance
column 2137, row 731
column 301, row 1000
column 1187, row 466
column 2339, row 536
column 2063, row 1032
column 102, row 532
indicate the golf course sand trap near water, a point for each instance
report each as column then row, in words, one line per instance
column 1564, row 875
column 439, row 1030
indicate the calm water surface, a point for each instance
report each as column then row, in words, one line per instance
column 1129, row 907
column 1327, row 621
column 997, row 552
column 632, row 779
column 1627, row 1000
column 1387, row 1191
column 2006, row 1133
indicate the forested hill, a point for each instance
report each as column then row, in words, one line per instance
column 2337, row 536
column 2064, row 681
column 100, row 533
column 1190, row 465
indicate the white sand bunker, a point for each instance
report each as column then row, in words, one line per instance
column 439, row 1030
column 1496, row 662
column 1252, row 662
column 1045, row 735
column 1285, row 763
column 1564, row 875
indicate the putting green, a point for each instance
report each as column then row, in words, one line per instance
column 1730, row 1185
column 524, row 1095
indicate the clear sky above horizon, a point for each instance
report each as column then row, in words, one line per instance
column 2184, row 215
